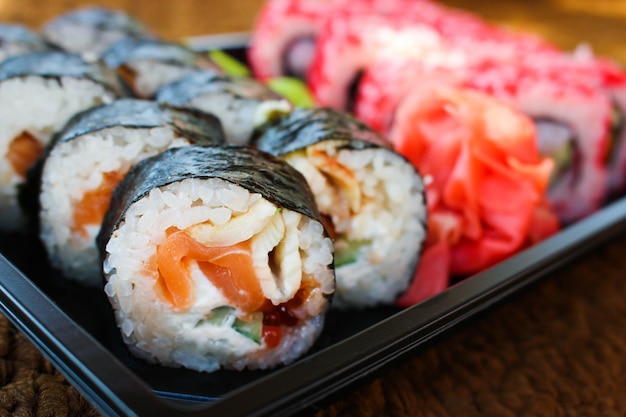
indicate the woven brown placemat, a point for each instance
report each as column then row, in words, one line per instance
column 30, row 385
column 557, row 348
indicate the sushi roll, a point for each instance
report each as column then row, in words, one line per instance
column 216, row 257
column 39, row 93
column 571, row 114
column 572, row 118
column 89, row 157
column 610, row 78
column 92, row 30
column 351, row 42
column 243, row 105
column 372, row 200
column 285, row 32
column 148, row 64
column 18, row 40
column 284, row 35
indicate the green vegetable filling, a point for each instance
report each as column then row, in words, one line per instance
column 229, row 64
column 563, row 160
column 347, row 252
column 293, row 89
column 252, row 328
column 220, row 315
column 556, row 140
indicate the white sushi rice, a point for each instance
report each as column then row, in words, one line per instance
column 39, row 106
column 150, row 75
column 240, row 116
column 82, row 39
column 157, row 332
column 388, row 229
column 78, row 166
column 9, row 49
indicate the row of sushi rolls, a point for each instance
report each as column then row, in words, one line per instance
column 371, row 153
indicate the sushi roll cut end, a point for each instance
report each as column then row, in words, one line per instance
column 219, row 275
column 372, row 199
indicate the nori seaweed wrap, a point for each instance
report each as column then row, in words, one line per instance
column 39, row 93
column 216, row 257
column 371, row 197
column 92, row 30
column 149, row 64
column 18, row 40
column 243, row 104
column 86, row 161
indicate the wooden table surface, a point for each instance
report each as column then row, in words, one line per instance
column 557, row 348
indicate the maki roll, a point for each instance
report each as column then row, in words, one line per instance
column 284, row 35
column 92, row 30
column 371, row 198
column 572, row 119
column 243, row 105
column 39, row 93
column 607, row 77
column 89, row 157
column 351, row 42
column 18, row 40
column 148, row 64
column 571, row 114
column 216, row 257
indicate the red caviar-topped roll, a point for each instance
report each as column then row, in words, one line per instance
column 284, row 36
column 285, row 33
column 351, row 41
column 572, row 116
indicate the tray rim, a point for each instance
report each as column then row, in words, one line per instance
column 115, row 390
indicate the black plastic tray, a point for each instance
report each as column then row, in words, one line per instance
column 74, row 328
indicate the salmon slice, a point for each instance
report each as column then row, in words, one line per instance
column 127, row 74
column 90, row 210
column 24, row 151
column 229, row 268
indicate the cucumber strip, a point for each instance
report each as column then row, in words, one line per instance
column 252, row 329
column 563, row 160
column 293, row 90
column 349, row 254
column 219, row 316
column 228, row 64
